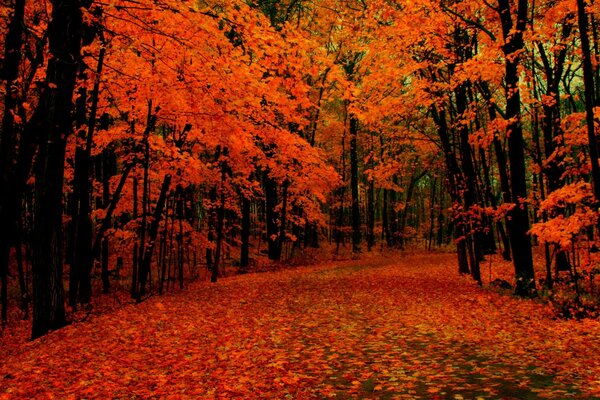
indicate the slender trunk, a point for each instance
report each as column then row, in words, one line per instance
column 220, row 222
column 245, row 248
column 212, row 221
column 80, row 284
column 152, row 232
column 23, row 291
column 414, row 179
column 472, row 223
column 134, row 261
column 271, row 217
column 283, row 217
column 162, row 249
column 371, row 214
column 105, row 203
column 180, row 215
column 356, row 223
column 170, row 246
column 454, row 173
column 385, row 225
column 502, row 170
column 109, row 211
column 341, row 191
column 145, row 198
column 393, row 218
column 431, row 214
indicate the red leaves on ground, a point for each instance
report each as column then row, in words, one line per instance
column 397, row 327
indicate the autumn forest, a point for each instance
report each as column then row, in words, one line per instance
column 300, row 199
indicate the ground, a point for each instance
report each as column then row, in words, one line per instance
column 398, row 326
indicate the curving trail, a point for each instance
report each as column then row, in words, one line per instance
column 399, row 327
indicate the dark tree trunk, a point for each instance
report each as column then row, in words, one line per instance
column 56, row 104
column 494, row 204
column 212, row 222
column 518, row 218
column 454, row 173
column 21, row 270
column 393, row 218
column 356, row 234
column 271, row 217
column 220, row 221
column 82, row 259
column 106, row 173
column 553, row 134
column 385, row 225
column 104, row 258
column 9, row 198
column 180, row 216
column 341, row 191
column 245, row 248
column 590, row 101
column 152, row 233
column 283, row 221
column 110, row 209
column 502, row 167
column 414, row 179
column 162, row 248
column 134, row 260
column 371, row 214
column 472, row 224
column 431, row 215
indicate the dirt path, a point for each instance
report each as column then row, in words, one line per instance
column 398, row 327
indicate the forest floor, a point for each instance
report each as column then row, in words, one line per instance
column 401, row 326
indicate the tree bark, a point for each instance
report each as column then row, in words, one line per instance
column 454, row 173
column 152, row 232
column 356, row 223
column 214, row 274
column 271, row 200
column 245, row 248
column 8, row 139
column 56, row 103
column 518, row 218
column 590, row 101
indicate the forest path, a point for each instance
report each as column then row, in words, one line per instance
column 404, row 326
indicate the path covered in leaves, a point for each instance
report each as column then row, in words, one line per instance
column 395, row 327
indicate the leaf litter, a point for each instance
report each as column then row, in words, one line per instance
column 396, row 327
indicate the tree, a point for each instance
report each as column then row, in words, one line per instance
column 54, row 124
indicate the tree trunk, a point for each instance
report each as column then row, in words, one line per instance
column 518, row 218
column 152, row 232
column 283, row 221
column 472, row 223
column 588, row 82
column 454, row 173
column 271, row 217
column 8, row 198
column 371, row 214
column 220, row 221
column 56, row 104
column 245, row 248
column 180, row 216
column 501, row 163
column 82, row 258
column 356, row 234
column 134, row 260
